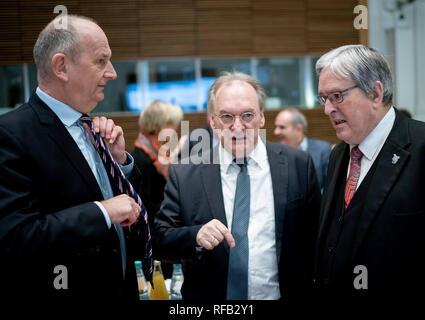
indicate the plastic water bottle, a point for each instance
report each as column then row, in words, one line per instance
column 159, row 290
column 141, row 281
column 176, row 282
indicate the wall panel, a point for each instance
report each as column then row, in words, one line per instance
column 189, row 28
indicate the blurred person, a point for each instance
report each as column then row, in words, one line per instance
column 244, row 224
column 371, row 233
column 153, row 156
column 291, row 128
column 63, row 222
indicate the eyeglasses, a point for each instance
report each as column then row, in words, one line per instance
column 228, row 118
column 334, row 98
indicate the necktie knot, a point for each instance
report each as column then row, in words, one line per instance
column 356, row 154
column 86, row 119
column 242, row 163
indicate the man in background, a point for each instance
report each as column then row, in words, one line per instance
column 290, row 128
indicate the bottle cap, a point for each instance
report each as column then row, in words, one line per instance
column 138, row 264
column 177, row 265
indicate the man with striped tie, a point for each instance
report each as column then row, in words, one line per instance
column 65, row 202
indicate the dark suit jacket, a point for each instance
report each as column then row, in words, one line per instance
column 390, row 239
column 151, row 184
column 47, row 214
column 320, row 151
column 193, row 197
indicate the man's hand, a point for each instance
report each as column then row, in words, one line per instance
column 122, row 209
column 212, row 233
column 113, row 135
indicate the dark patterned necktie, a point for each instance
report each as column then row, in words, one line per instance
column 353, row 177
column 237, row 279
column 118, row 178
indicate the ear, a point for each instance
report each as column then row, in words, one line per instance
column 377, row 93
column 59, row 66
column 262, row 120
column 211, row 121
column 299, row 128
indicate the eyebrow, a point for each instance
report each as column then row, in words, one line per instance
column 228, row 112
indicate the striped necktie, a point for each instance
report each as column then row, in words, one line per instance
column 118, row 178
column 353, row 177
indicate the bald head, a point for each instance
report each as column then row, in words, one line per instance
column 52, row 40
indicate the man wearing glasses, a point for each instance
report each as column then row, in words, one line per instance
column 371, row 240
column 245, row 224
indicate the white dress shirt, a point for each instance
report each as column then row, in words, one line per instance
column 263, row 278
column 373, row 143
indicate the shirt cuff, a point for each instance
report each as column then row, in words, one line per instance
column 127, row 168
column 105, row 213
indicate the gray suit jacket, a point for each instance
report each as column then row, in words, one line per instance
column 193, row 196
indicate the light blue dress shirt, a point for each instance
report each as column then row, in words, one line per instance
column 70, row 118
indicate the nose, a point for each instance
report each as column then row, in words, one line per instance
column 110, row 72
column 238, row 124
column 329, row 107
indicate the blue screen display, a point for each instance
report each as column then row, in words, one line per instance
column 190, row 95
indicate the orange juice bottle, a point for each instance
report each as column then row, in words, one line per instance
column 159, row 292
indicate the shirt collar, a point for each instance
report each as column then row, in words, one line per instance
column 258, row 156
column 67, row 115
column 304, row 144
column 377, row 136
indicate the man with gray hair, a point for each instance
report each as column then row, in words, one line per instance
column 244, row 224
column 63, row 214
column 290, row 129
column 371, row 240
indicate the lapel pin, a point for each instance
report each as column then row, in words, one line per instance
column 395, row 159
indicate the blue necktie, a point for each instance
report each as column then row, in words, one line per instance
column 118, row 178
column 237, row 279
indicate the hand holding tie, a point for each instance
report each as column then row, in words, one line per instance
column 122, row 209
column 113, row 136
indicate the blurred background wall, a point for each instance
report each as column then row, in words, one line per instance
column 173, row 50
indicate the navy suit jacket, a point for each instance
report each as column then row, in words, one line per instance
column 320, row 151
column 47, row 214
column 193, row 196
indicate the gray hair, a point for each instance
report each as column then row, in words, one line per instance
column 361, row 64
column 53, row 40
column 226, row 77
column 297, row 117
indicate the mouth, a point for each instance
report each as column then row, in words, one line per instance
column 339, row 122
column 238, row 139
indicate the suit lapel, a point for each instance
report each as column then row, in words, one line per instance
column 330, row 192
column 386, row 173
column 66, row 144
column 279, row 174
